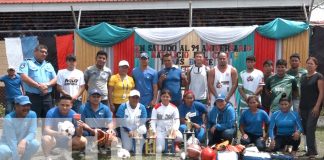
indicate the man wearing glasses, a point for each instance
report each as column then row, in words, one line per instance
column 197, row 78
column 38, row 78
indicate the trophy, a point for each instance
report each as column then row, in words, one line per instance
column 189, row 131
column 150, row 142
column 169, row 148
column 136, row 139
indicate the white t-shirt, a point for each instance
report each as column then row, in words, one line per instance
column 70, row 80
column 165, row 118
column 250, row 82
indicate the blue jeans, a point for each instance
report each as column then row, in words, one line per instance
column 31, row 149
column 256, row 139
column 10, row 106
column 220, row 136
column 199, row 133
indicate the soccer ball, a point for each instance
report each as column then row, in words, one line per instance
column 193, row 151
column 66, row 128
column 208, row 154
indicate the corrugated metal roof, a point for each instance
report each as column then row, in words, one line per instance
column 66, row 1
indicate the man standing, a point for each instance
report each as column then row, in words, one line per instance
column 197, row 78
column 70, row 81
column 267, row 72
column 39, row 77
column 18, row 140
column 172, row 78
column 296, row 71
column 97, row 76
column 281, row 83
column 223, row 80
column 250, row 82
column 13, row 88
column 146, row 79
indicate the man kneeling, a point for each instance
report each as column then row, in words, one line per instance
column 53, row 137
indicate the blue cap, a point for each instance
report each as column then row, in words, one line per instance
column 144, row 55
column 22, row 100
column 220, row 97
column 95, row 91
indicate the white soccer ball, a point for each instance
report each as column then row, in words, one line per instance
column 66, row 128
column 123, row 153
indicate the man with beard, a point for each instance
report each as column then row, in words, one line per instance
column 97, row 76
column 222, row 80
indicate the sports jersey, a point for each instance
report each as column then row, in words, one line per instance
column 121, row 88
column 222, row 119
column 165, row 118
column 97, row 79
column 53, row 117
column 253, row 121
column 198, row 81
column 297, row 75
column 279, row 85
column 172, row 82
column 197, row 109
column 286, row 123
column 250, row 82
column 223, row 83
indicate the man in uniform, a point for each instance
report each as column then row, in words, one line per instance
column 39, row 77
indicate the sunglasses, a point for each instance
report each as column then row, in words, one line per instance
column 44, row 52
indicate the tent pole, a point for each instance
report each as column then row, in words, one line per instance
column 79, row 18
column 190, row 13
column 310, row 11
column 74, row 19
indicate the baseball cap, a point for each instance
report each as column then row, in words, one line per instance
column 220, row 97
column 144, row 55
column 11, row 68
column 95, row 91
column 70, row 57
column 134, row 92
column 123, row 63
column 22, row 100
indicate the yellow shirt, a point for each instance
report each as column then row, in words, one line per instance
column 121, row 88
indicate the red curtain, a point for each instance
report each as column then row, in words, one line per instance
column 124, row 50
column 64, row 47
column 264, row 49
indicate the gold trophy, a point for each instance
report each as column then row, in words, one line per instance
column 170, row 140
column 150, row 142
column 189, row 131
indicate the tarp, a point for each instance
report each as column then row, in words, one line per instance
column 104, row 34
column 281, row 28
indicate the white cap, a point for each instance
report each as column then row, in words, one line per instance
column 123, row 63
column 134, row 92
column 11, row 68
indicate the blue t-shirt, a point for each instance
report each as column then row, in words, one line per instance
column 253, row 122
column 172, row 82
column 197, row 108
column 222, row 119
column 144, row 81
column 128, row 117
column 12, row 86
column 16, row 129
column 53, row 117
column 96, row 119
column 285, row 122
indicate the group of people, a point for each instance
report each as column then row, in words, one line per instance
column 281, row 106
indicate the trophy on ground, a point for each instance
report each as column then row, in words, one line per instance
column 189, row 131
column 170, row 140
column 150, row 142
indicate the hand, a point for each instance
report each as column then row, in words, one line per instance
column 163, row 77
column 315, row 111
column 131, row 134
column 22, row 147
column 112, row 108
column 203, row 126
column 80, row 124
column 196, row 126
column 227, row 99
column 272, row 144
column 153, row 102
column 74, row 98
column 296, row 136
column 245, row 136
column 212, row 130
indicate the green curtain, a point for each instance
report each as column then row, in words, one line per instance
column 104, row 34
column 281, row 28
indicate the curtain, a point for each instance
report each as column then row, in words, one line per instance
column 28, row 46
column 50, row 42
column 124, row 50
column 281, row 28
column 14, row 52
column 264, row 49
column 139, row 41
column 296, row 44
column 163, row 35
column 104, row 34
column 191, row 39
column 223, row 35
column 64, row 47
column 3, row 59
